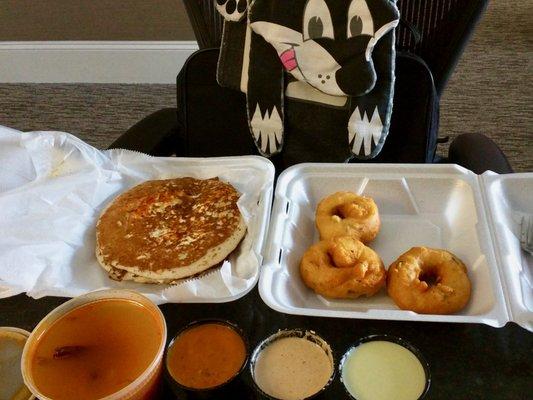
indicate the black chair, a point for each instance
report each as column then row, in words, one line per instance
column 434, row 31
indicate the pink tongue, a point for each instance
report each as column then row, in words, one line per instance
column 288, row 58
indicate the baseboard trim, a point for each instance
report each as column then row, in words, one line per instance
column 93, row 62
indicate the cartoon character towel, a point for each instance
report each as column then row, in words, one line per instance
column 336, row 53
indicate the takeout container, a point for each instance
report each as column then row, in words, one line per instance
column 393, row 339
column 60, row 185
column 10, row 370
column 146, row 386
column 443, row 206
column 475, row 217
column 290, row 333
column 233, row 385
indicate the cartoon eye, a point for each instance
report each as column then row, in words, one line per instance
column 359, row 19
column 317, row 20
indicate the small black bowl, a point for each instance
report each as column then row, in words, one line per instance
column 392, row 339
column 222, row 391
column 300, row 333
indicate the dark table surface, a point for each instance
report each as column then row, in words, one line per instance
column 467, row 361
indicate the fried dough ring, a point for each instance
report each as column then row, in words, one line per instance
column 429, row 281
column 342, row 268
column 346, row 213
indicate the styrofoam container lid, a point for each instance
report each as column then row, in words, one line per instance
column 441, row 206
column 509, row 199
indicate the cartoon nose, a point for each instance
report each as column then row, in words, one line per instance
column 357, row 77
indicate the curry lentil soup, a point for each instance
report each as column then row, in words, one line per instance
column 95, row 350
column 206, row 355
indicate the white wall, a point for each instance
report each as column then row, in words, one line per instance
column 93, row 62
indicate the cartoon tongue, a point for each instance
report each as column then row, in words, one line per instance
column 288, row 58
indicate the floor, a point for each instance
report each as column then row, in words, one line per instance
column 491, row 92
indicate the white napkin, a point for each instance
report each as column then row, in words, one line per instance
column 53, row 187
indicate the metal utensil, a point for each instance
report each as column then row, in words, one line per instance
column 526, row 242
column 526, row 233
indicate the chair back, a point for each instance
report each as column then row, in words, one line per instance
column 436, row 30
column 444, row 28
column 206, row 22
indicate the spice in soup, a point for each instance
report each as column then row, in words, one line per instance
column 206, row 356
column 95, row 350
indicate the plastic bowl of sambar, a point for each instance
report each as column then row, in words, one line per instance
column 206, row 358
column 105, row 345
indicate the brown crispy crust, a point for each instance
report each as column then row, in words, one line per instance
column 346, row 213
column 450, row 291
column 342, row 268
column 166, row 225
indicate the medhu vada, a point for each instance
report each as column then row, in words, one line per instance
column 342, row 267
column 429, row 281
column 347, row 214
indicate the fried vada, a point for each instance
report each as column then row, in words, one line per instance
column 347, row 214
column 342, row 268
column 429, row 281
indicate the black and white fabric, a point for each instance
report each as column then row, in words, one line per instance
column 335, row 53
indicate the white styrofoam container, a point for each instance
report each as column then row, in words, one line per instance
column 509, row 198
column 55, row 189
column 443, row 206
